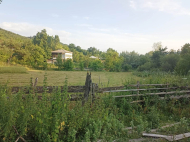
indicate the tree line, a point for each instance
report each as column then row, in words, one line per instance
column 35, row 51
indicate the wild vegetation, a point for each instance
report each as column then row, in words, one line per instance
column 55, row 118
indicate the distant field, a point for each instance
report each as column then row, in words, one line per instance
column 57, row 78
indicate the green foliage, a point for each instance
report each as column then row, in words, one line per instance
column 68, row 65
column 96, row 65
column 41, row 39
column 113, row 62
column 64, row 65
column 35, row 51
column 145, row 67
column 81, row 65
column 156, row 57
column 169, row 62
column 127, row 67
column 59, row 62
column 183, row 65
column 55, row 118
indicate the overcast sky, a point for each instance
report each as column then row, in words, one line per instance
column 124, row 25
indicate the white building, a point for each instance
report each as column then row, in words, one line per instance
column 64, row 54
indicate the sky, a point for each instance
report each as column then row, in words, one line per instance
column 124, row 25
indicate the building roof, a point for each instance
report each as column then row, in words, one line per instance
column 61, row 51
column 93, row 57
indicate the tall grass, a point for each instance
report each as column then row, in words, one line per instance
column 13, row 69
column 55, row 118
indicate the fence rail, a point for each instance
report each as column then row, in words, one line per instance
column 90, row 89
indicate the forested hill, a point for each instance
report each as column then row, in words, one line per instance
column 35, row 51
column 4, row 34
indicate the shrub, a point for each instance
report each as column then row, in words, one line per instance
column 146, row 66
column 127, row 67
column 68, row 65
column 81, row 65
column 96, row 65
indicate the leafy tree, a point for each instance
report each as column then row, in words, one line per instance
column 81, row 65
column 86, row 61
column 169, row 62
column 145, row 67
column 93, row 51
column 50, row 42
column 96, row 65
column 113, row 62
column 68, row 65
column 41, row 39
column 183, row 66
column 127, row 67
column 59, row 62
column 157, row 55
column 157, row 46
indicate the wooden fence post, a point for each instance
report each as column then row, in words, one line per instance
column 87, row 88
column 36, row 81
column 93, row 91
column 138, row 87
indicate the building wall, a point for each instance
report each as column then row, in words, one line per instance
column 68, row 56
column 64, row 56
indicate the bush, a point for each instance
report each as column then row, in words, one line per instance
column 146, row 66
column 59, row 63
column 81, row 65
column 127, row 67
column 68, row 65
column 64, row 65
column 96, row 65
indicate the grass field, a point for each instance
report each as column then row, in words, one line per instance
column 57, row 78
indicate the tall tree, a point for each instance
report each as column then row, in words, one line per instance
column 113, row 62
column 183, row 66
column 157, row 55
column 41, row 39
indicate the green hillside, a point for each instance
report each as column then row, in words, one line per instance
column 4, row 35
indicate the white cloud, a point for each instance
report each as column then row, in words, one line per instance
column 117, row 40
column 133, row 4
column 27, row 29
column 168, row 6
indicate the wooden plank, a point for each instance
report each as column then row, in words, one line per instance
column 135, row 85
column 139, row 101
column 146, row 94
column 169, row 138
column 154, row 130
column 128, row 90
column 163, row 98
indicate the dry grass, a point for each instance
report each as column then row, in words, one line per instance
column 57, row 78
column 13, row 69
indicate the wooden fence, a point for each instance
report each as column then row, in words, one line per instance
column 90, row 89
column 173, row 92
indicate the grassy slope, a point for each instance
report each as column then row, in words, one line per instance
column 4, row 34
column 57, row 78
